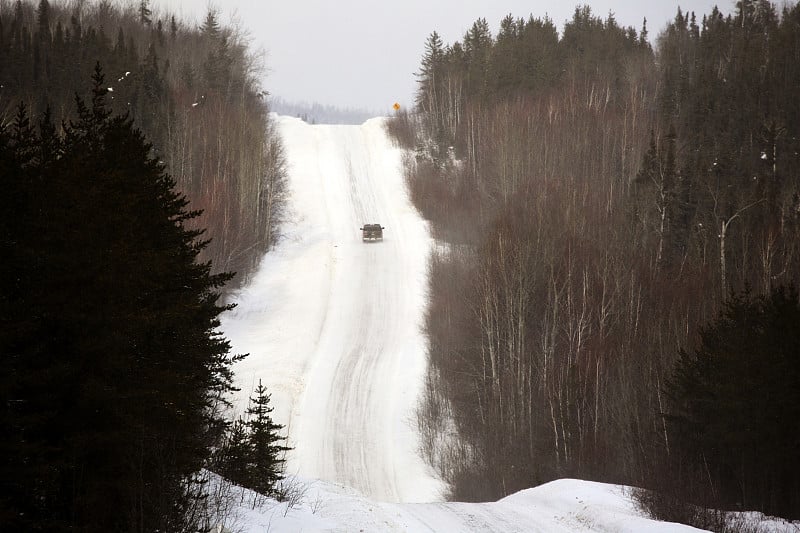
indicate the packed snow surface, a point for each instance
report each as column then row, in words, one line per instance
column 333, row 324
column 333, row 328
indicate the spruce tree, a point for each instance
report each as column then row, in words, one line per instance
column 210, row 26
column 267, row 459
column 233, row 459
column 112, row 363
column 735, row 402
column 429, row 74
column 43, row 21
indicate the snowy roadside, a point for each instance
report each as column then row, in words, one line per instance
column 561, row 506
column 332, row 326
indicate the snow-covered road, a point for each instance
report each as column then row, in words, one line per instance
column 333, row 328
column 332, row 324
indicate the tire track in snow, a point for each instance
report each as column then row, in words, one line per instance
column 332, row 324
column 356, row 431
column 352, row 425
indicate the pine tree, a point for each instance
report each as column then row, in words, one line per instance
column 266, row 468
column 478, row 45
column 428, row 76
column 643, row 35
column 43, row 22
column 217, row 67
column 735, row 401
column 210, row 26
column 505, row 61
column 233, row 460
column 109, row 333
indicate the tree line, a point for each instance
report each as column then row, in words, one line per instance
column 114, row 376
column 600, row 200
column 112, row 365
column 193, row 91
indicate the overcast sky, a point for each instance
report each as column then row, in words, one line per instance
column 364, row 53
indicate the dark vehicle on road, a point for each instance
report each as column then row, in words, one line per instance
column 372, row 232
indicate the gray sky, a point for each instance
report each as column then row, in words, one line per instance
column 364, row 53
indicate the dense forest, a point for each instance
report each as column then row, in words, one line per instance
column 193, row 91
column 606, row 211
column 114, row 375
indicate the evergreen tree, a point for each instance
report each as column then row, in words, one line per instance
column 17, row 22
column 43, row 21
column 505, row 61
column 48, row 50
column 233, row 460
column 540, row 60
column 111, row 359
column 210, row 26
column 478, row 45
column 217, row 66
column 145, row 12
column 267, row 459
column 429, row 74
column 643, row 34
column 648, row 173
column 734, row 403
